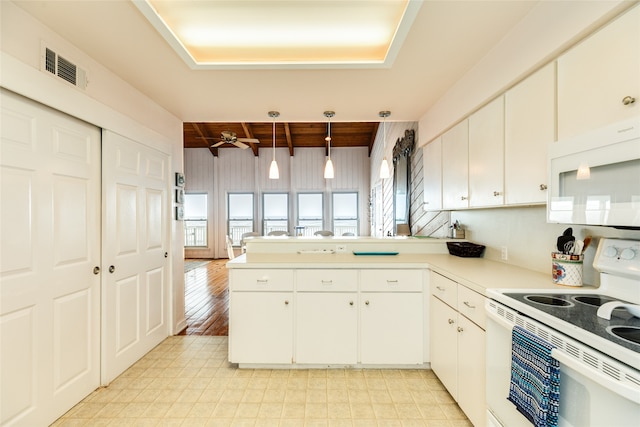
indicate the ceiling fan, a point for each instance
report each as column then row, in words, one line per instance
column 229, row 137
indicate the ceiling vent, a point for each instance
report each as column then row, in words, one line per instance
column 59, row 66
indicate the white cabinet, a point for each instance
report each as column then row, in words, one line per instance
column 432, row 181
column 530, row 116
column 327, row 316
column 327, row 328
column 391, row 317
column 458, row 344
column 486, row 155
column 261, row 316
column 596, row 76
column 455, row 167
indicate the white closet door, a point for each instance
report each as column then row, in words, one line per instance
column 135, row 220
column 49, row 294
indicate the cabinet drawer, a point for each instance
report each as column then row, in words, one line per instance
column 391, row 280
column 444, row 288
column 261, row 280
column 327, row 280
column 471, row 305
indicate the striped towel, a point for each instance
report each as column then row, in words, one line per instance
column 535, row 378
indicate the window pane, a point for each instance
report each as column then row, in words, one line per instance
column 309, row 206
column 195, row 206
column 240, row 206
column 276, row 206
column 345, row 205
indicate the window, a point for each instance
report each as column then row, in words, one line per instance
column 195, row 220
column 345, row 213
column 239, row 215
column 275, row 212
column 310, row 213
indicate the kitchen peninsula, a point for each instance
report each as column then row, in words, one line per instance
column 312, row 302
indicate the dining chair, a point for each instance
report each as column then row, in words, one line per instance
column 230, row 253
column 323, row 233
column 278, row 233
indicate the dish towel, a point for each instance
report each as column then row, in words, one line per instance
column 535, row 378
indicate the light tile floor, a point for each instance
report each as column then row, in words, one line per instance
column 187, row 381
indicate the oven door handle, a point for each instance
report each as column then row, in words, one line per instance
column 628, row 392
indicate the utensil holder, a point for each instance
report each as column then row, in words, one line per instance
column 566, row 269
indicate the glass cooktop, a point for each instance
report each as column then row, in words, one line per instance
column 581, row 310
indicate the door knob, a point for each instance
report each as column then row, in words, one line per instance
column 460, row 329
column 96, row 270
column 627, row 100
column 166, row 254
column 112, row 269
column 350, row 302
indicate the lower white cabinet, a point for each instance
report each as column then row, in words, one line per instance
column 458, row 347
column 327, row 316
column 327, row 328
column 261, row 325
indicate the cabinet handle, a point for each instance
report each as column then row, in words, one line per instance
column 463, row 198
column 350, row 302
column 440, row 288
column 262, row 280
column 451, row 321
column 496, row 193
column 366, row 302
column 628, row 100
column 96, row 270
column 543, row 187
column 326, row 282
column 286, row 302
column 112, row 268
column 460, row 329
column 392, row 281
column 469, row 305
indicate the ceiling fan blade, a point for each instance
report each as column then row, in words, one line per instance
column 250, row 140
column 240, row 145
column 217, row 144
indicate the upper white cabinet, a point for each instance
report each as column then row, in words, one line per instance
column 486, row 155
column 598, row 78
column 529, row 125
column 432, row 167
column 455, row 167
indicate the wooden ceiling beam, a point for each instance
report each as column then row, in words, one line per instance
column 372, row 140
column 249, row 134
column 204, row 135
column 287, row 132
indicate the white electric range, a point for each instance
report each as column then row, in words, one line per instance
column 599, row 358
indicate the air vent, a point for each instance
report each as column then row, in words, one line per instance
column 65, row 69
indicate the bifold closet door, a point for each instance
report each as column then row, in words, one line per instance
column 50, row 246
column 135, row 222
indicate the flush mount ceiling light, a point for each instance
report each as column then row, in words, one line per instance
column 328, row 167
column 384, row 166
column 277, row 34
column 274, row 173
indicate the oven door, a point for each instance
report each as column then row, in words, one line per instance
column 588, row 397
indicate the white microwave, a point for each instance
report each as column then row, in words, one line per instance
column 595, row 177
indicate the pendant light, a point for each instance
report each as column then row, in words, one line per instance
column 274, row 173
column 384, row 166
column 328, row 167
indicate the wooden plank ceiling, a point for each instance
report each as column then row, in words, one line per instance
column 291, row 135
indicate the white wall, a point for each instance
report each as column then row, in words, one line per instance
column 235, row 170
column 108, row 102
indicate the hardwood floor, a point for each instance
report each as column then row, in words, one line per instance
column 206, row 297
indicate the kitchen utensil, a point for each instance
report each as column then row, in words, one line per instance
column 587, row 242
column 566, row 237
column 578, row 245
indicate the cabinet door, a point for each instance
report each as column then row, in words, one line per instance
column 471, row 371
column 261, row 327
column 486, row 155
column 529, row 126
column 455, row 166
column 444, row 344
column 391, row 328
column 432, row 167
column 327, row 328
column 595, row 76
